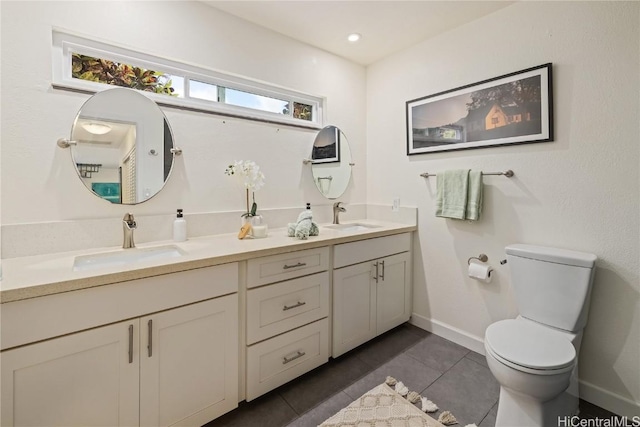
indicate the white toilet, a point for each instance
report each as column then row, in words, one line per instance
column 535, row 356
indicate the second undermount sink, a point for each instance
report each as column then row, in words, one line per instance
column 348, row 228
column 125, row 257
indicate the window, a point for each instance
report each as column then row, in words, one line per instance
column 99, row 70
column 93, row 66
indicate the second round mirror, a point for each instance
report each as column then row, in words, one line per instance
column 331, row 162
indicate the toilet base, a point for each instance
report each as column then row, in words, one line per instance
column 518, row 410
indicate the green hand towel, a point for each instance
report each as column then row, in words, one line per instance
column 474, row 196
column 452, row 187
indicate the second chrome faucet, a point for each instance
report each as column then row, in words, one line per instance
column 336, row 212
column 128, row 225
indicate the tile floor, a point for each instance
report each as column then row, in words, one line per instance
column 453, row 377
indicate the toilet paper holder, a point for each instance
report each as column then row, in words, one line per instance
column 481, row 257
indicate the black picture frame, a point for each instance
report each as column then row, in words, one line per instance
column 515, row 108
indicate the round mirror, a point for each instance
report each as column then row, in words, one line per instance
column 331, row 162
column 123, row 144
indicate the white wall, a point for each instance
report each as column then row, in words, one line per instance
column 579, row 192
column 38, row 180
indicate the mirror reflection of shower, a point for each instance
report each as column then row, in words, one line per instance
column 105, row 158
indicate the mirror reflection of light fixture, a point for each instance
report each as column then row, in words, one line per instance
column 96, row 128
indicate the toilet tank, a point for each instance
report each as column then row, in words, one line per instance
column 552, row 286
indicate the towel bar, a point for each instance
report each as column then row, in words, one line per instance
column 508, row 173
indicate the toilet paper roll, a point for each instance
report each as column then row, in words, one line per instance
column 480, row 272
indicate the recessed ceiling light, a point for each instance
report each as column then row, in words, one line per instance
column 354, row 37
column 97, row 128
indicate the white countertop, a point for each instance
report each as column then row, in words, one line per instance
column 35, row 276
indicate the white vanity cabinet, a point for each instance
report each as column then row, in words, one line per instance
column 371, row 289
column 178, row 366
column 286, row 317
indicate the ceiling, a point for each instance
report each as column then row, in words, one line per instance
column 386, row 26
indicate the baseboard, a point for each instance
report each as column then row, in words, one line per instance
column 605, row 399
column 613, row 402
column 449, row 332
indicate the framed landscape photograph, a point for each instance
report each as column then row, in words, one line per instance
column 326, row 147
column 515, row 108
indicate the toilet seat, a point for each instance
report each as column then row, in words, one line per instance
column 529, row 348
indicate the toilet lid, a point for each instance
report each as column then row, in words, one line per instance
column 529, row 345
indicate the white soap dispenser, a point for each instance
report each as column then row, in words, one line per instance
column 179, row 228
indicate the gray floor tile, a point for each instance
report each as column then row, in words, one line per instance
column 414, row 374
column 589, row 410
column 269, row 410
column 477, row 357
column 490, row 419
column 323, row 411
column 437, row 353
column 318, row 385
column 414, row 329
column 468, row 390
column 385, row 347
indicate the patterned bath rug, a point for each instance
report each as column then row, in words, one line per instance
column 381, row 406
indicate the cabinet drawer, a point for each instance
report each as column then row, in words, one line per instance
column 278, row 308
column 276, row 361
column 277, row 268
column 69, row 312
column 366, row 250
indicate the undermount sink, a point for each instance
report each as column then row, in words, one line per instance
column 348, row 228
column 125, row 257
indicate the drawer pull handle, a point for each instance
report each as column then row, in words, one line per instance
column 130, row 343
column 376, row 266
column 299, row 264
column 298, row 355
column 150, row 343
column 382, row 275
column 289, row 307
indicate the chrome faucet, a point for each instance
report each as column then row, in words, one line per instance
column 128, row 225
column 336, row 212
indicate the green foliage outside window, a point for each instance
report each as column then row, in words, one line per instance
column 118, row 74
column 300, row 111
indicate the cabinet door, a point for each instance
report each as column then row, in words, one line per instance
column 189, row 363
column 393, row 292
column 354, row 305
column 85, row 379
